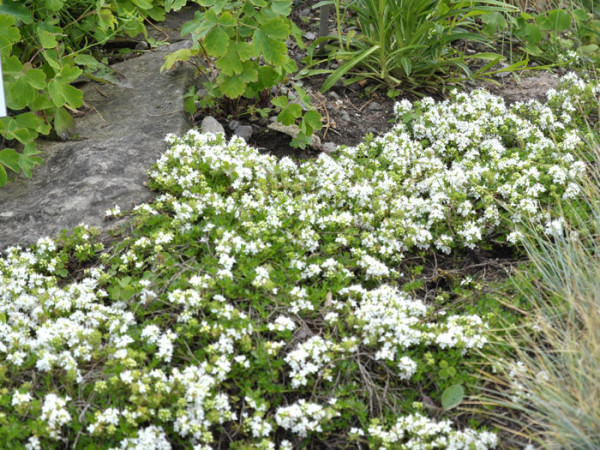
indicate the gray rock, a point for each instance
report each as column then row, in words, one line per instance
column 211, row 125
column 374, row 106
column 329, row 147
column 310, row 36
column 120, row 136
column 346, row 117
column 234, row 125
column 244, row 131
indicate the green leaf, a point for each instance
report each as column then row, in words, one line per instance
column 281, row 101
column 277, row 28
column 267, row 77
column 452, row 396
column 63, row 93
column 289, row 114
column 36, row 78
column 313, row 119
column 46, row 38
column 26, row 159
column 63, row 122
column 54, row 5
column 406, row 65
column 19, row 94
column 174, row 5
column 274, row 51
column 580, row 15
column 216, row 42
column 559, row 19
column 10, row 158
column 249, row 73
column 86, row 60
column 282, row 7
column 232, row 87
column 19, row 11
column 171, row 59
column 3, row 175
column 9, row 34
column 344, row 68
column 230, row 63
column 144, row 4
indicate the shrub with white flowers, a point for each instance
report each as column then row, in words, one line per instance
column 257, row 302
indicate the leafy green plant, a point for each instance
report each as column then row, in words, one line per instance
column 240, row 47
column 403, row 44
column 45, row 46
column 558, row 36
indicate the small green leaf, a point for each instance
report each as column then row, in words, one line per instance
column 230, row 63
column 274, row 51
column 9, row 34
column 171, row 59
column 452, row 396
column 406, row 65
column 10, row 158
column 54, row 5
column 144, row 4
column 174, row 5
column 63, row 93
column 46, row 38
column 3, row 175
column 559, row 20
column 216, row 42
column 18, row 11
column 232, row 86
column 289, row 114
column 36, row 78
column 63, row 122
column 281, row 101
column 277, row 28
column 313, row 119
column 282, row 7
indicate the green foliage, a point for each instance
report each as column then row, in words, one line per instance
column 453, row 396
column 403, row 44
column 45, row 46
column 563, row 37
column 240, row 46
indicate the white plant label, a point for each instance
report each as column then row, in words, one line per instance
column 2, row 101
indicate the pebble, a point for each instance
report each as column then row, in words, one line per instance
column 310, row 36
column 211, row 125
column 234, row 125
column 346, row 117
column 329, row 147
column 374, row 106
column 244, row 131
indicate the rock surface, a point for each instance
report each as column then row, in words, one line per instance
column 211, row 125
column 119, row 138
column 244, row 131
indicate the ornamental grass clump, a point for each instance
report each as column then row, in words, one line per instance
column 549, row 365
column 257, row 302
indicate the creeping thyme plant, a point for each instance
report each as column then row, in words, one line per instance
column 257, row 302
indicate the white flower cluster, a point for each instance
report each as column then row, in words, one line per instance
column 241, row 254
column 416, row 431
column 304, row 417
column 307, row 359
column 55, row 414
